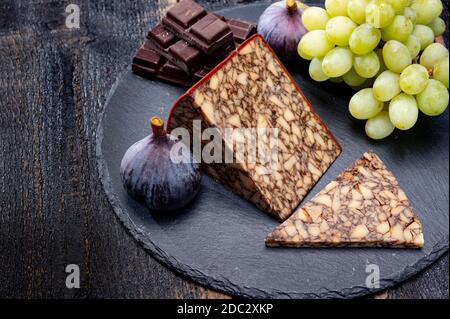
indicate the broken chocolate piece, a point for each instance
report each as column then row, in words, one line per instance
column 252, row 89
column 363, row 207
column 205, row 31
column 210, row 28
column 162, row 45
column 149, row 63
column 181, row 53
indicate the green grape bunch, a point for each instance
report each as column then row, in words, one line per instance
column 387, row 51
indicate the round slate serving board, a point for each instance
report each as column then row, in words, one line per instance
column 218, row 240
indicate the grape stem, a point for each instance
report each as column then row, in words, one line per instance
column 157, row 125
column 291, row 5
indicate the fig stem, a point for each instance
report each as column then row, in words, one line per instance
column 157, row 125
column 291, row 4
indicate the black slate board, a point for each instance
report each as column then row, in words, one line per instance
column 218, row 240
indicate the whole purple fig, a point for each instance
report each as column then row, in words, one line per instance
column 282, row 27
column 149, row 173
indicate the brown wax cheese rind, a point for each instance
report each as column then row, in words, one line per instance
column 363, row 207
column 252, row 89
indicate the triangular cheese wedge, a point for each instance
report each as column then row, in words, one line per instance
column 252, row 90
column 363, row 207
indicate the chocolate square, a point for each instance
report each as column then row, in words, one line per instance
column 184, row 52
column 162, row 36
column 186, row 13
column 173, row 69
column 148, row 58
column 210, row 28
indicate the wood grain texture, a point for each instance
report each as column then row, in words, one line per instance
column 53, row 212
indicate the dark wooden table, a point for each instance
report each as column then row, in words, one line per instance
column 53, row 212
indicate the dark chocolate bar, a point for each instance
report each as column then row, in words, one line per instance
column 182, row 53
column 149, row 60
column 203, row 30
column 147, row 63
column 167, row 56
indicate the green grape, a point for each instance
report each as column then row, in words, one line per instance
column 379, row 126
column 336, row 7
column 410, row 14
column 396, row 56
column 356, row 10
column 367, row 65
column 427, row 10
column 424, row 34
column 339, row 29
column 315, row 70
column 413, row 45
column 413, row 79
column 353, row 79
column 315, row 18
column 433, row 101
column 399, row 29
column 302, row 54
column 397, row 5
column 379, row 14
column 364, row 39
column 403, row 111
column 363, row 105
column 315, row 44
column 339, row 79
column 337, row 62
column 386, row 86
column 440, row 71
column 432, row 54
column 438, row 26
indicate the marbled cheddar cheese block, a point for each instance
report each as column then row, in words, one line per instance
column 363, row 207
column 251, row 89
